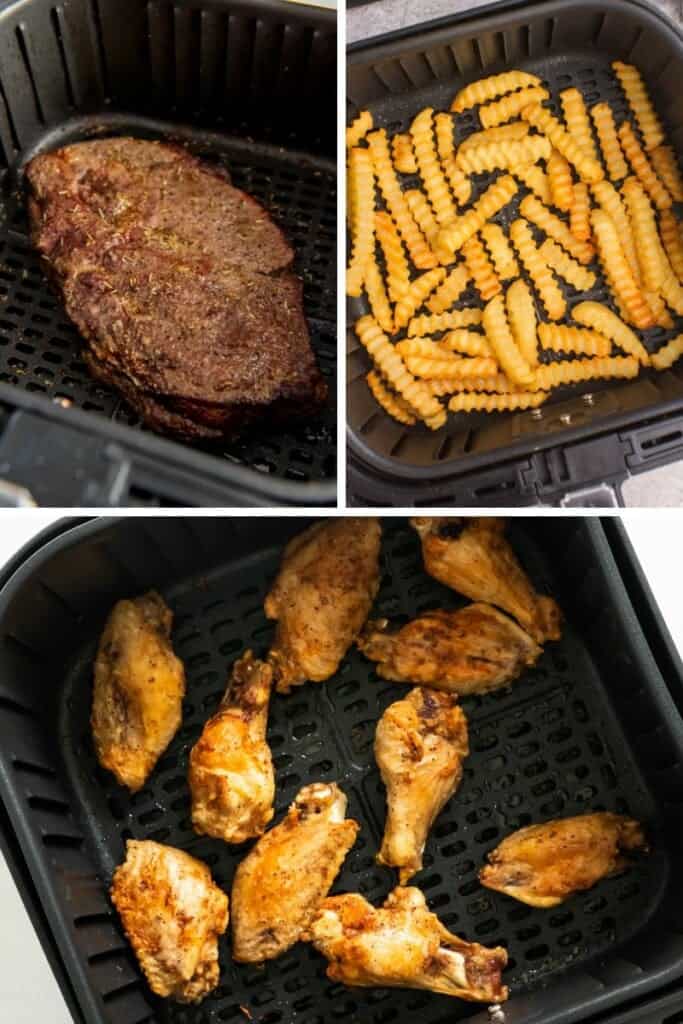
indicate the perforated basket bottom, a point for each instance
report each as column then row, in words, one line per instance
column 465, row 433
column 40, row 349
column 551, row 746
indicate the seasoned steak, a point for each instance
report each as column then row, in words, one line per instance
column 180, row 284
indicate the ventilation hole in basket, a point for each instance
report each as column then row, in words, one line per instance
column 34, row 769
column 41, row 803
column 62, row 842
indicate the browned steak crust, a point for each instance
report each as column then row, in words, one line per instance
column 180, row 284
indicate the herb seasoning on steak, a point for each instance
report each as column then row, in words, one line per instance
column 180, row 284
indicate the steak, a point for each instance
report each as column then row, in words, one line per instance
column 180, row 284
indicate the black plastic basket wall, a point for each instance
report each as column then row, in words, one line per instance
column 251, row 85
column 592, row 726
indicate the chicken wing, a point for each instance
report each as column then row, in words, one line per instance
column 420, row 745
column 281, row 883
column 404, row 945
column 322, row 595
column 544, row 864
column 473, row 557
column 231, row 769
column 139, row 689
column 473, row 650
column 173, row 915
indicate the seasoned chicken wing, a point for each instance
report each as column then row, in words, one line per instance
column 420, row 745
column 473, row 557
column 472, row 650
column 281, row 883
column 322, row 595
column 231, row 768
column 544, row 864
column 173, row 915
column 139, row 689
column 404, row 945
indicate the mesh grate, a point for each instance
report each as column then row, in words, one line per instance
column 470, row 432
column 40, row 350
column 550, row 746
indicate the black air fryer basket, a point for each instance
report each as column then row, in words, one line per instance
column 579, row 446
column 249, row 83
column 596, row 724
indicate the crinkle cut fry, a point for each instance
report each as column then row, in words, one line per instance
column 435, row 369
column 574, row 371
column 617, row 271
column 636, row 94
column 500, row 338
column 423, row 325
column 577, row 120
column 362, row 205
column 565, row 266
column 425, row 348
column 377, row 297
column 506, row 153
column 611, row 202
column 496, row 196
column 579, row 214
column 498, row 384
column 521, row 312
column 610, row 147
column 586, row 166
column 396, row 406
column 512, row 132
column 642, row 167
column 666, row 165
column 394, row 371
column 499, row 247
column 428, row 165
column 535, row 178
column 534, row 210
column 577, row 340
column 540, row 274
column 601, row 318
column 418, row 291
column 403, row 154
column 358, row 129
column 418, row 204
column 473, row 402
column 485, row 89
column 667, row 355
column 450, row 290
column 397, row 270
column 500, row 111
column 670, row 232
column 445, row 147
column 560, row 180
column 416, row 244
column 481, row 269
column 645, row 234
column 469, row 343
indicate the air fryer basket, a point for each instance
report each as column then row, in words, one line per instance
column 592, row 726
column 250, row 84
column 565, row 44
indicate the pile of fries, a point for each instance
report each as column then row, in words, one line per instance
column 586, row 189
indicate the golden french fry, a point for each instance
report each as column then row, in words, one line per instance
column 506, row 153
column 396, row 406
column 398, row 273
column 416, row 244
column 468, row 402
column 425, row 348
column 642, row 167
column 485, row 89
column 418, row 291
column 362, row 204
column 418, row 204
column 429, row 168
column 600, row 318
column 496, row 196
column 639, row 102
column 450, row 291
column 667, row 355
column 468, row 343
column 377, row 297
column 579, row 214
column 358, row 129
column 439, row 369
column 666, row 165
column 560, row 338
column 500, row 338
column 499, row 384
column 577, row 120
column 500, row 111
column 645, row 235
column 402, row 152
column 521, row 313
column 481, row 269
column 565, row 266
column 618, row 272
column 513, row 132
column 661, row 314
column 603, row 119
column 586, row 166
column 498, row 245
column 536, row 179
column 420, row 326
column 445, row 147
column 670, row 232
column 574, row 371
column 611, row 202
column 540, row 274
column 560, row 180
column 394, row 371
column 534, row 210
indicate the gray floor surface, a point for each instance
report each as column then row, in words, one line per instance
column 660, row 487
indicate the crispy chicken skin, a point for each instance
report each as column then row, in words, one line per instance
column 544, row 864
column 327, row 582
column 281, row 883
column 420, row 745
column 404, row 945
column 473, row 557
column 231, row 769
column 173, row 915
column 472, row 650
column 139, row 689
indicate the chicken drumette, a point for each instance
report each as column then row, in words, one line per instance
column 544, row 864
column 281, row 883
column 420, row 745
column 322, row 595
column 404, row 945
column 473, row 650
column 173, row 915
column 231, row 768
column 139, row 689
column 473, row 557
